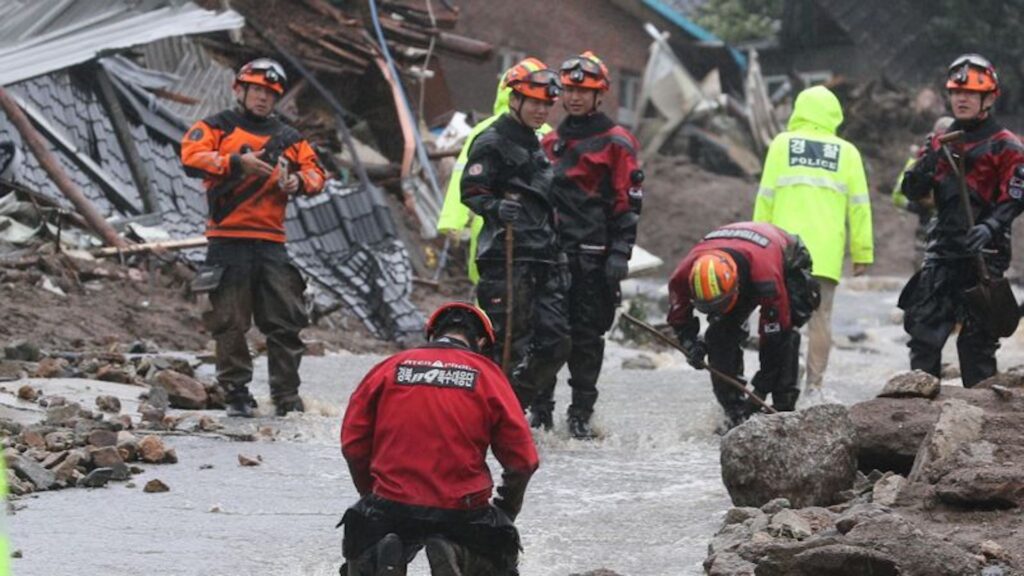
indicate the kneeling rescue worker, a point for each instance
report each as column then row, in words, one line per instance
column 415, row 436
column 251, row 163
column 728, row 274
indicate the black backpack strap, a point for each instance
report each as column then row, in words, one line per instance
column 220, row 206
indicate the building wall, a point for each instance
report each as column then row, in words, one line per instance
column 551, row 30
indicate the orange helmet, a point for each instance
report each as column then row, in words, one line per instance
column 585, row 71
column 467, row 317
column 714, row 282
column 533, row 79
column 264, row 72
column 973, row 73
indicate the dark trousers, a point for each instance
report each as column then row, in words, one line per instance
column 592, row 303
column 778, row 375
column 539, row 323
column 933, row 303
column 259, row 284
column 487, row 538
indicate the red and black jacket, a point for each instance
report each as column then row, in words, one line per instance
column 418, row 426
column 597, row 185
column 759, row 250
column 247, row 206
column 994, row 165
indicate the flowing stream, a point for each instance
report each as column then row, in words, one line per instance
column 645, row 499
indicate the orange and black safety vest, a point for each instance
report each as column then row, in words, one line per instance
column 244, row 206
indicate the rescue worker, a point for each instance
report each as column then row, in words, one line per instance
column 251, row 163
column 924, row 209
column 456, row 216
column 597, row 192
column 728, row 274
column 814, row 186
column 415, row 436
column 508, row 183
column 933, row 300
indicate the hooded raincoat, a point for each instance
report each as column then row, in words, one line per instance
column 814, row 185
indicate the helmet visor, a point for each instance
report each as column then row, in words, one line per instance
column 269, row 69
column 581, row 65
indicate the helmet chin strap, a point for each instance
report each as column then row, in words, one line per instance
column 519, row 110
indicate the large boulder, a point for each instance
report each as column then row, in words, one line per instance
column 807, row 457
column 890, row 431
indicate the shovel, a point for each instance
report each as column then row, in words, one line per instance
column 991, row 301
column 735, row 383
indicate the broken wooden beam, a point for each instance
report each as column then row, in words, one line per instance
column 53, row 169
column 165, row 245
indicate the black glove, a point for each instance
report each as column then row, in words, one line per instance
column 508, row 210
column 929, row 161
column 978, row 237
column 616, row 267
column 695, row 351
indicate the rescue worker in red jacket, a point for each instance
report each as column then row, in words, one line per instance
column 933, row 300
column 728, row 274
column 597, row 192
column 251, row 163
column 508, row 182
column 415, row 436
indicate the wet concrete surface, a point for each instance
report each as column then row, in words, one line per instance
column 643, row 499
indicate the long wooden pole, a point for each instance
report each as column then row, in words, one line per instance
column 53, row 168
column 725, row 377
column 182, row 244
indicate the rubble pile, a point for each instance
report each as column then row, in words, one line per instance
column 943, row 501
column 74, row 446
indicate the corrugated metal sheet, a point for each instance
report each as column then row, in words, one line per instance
column 42, row 36
column 198, row 76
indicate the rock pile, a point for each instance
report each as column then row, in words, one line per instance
column 937, row 493
column 74, row 446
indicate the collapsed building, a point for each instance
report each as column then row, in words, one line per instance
column 112, row 85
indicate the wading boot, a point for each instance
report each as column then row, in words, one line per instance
column 580, row 429
column 541, row 418
column 285, row 405
column 240, row 406
column 390, row 556
column 443, row 558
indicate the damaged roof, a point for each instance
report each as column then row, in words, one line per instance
column 344, row 240
column 41, row 36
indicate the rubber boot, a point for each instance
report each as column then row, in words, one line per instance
column 443, row 557
column 541, row 417
column 390, row 556
column 240, row 405
column 291, row 404
column 579, row 428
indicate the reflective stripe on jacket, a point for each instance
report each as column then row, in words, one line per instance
column 814, row 185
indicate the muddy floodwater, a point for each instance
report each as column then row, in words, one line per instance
column 643, row 500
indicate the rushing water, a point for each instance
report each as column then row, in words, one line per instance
column 643, row 500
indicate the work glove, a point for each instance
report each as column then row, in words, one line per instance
column 695, row 351
column 509, row 210
column 616, row 267
column 928, row 163
column 978, row 237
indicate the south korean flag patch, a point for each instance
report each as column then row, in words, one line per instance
column 1016, row 186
